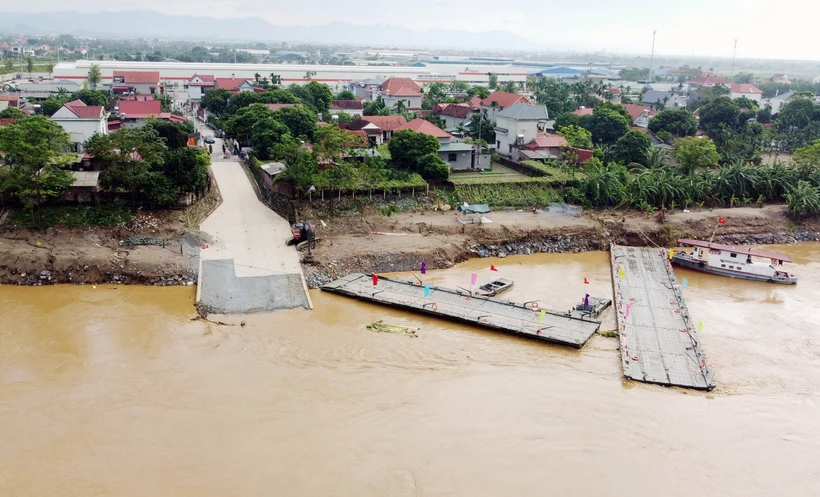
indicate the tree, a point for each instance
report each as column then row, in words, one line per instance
column 50, row 106
column 719, row 114
column 678, row 122
column 492, row 80
column 345, row 95
column 29, row 65
column 187, row 169
column 695, row 153
column 576, row 136
column 510, row 87
column 634, row 73
column 35, row 147
column 170, row 132
column 265, row 135
column 91, row 97
column 808, row 157
column 321, row 97
column 241, row 125
column 301, row 121
column 481, row 92
column 607, row 125
column 400, row 106
column 555, row 95
column 216, row 100
column 632, row 147
column 764, row 115
column 482, row 127
column 803, row 201
column 94, row 76
column 331, row 143
column 407, row 147
column 796, row 115
column 13, row 113
column 744, row 77
column 431, row 167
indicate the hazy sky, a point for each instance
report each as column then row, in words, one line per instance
column 764, row 29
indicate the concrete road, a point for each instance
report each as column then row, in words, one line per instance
column 248, row 268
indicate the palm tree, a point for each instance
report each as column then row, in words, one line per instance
column 656, row 157
column 256, row 77
column 62, row 93
column 400, row 106
column 275, row 80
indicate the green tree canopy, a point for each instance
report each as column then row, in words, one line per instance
column 13, row 113
column 576, row 136
column 632, row 147
column 94, row 76
column 407, row 147
column 50, row 106
column 607, row 125
column 301, row 121
column 695, row 153
column 345, row 95
column 677, row 122
column 482, row 127
column 431, row 167
column 91, row 97
column 216, row 100
column 719, row 114
column 35, row 147
column 492, row 81
column 241, row 125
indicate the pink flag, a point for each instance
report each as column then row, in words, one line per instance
column 473, row 278
column 628, row 307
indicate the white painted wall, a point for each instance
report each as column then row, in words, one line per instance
column 409, row 102
column 503, row 141
column 757, row 97
column 79, row 130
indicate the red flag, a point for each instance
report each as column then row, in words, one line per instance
column 722, row 221
column 492, row 268
column 375, row 279
column 586, row 281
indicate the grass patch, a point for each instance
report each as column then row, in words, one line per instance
column 73, row 216
column 522, row 194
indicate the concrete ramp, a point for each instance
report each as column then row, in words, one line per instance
column 659, row 343
column 248, row 268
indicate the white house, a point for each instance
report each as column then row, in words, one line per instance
column 517, row 125
column 81, row 121
column 395, row 90
column 140, row 82
column 198, row 85
column 751, row 92
column 352, row 107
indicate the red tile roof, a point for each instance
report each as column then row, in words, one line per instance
column 12, row 100
column 75, row 103
column 229, row 83
column 456, row 110
column 7, row 121
column 475, row 102
column 138, row 76
column 140, row 109
column 636, row 110
column 87, row 111
column 387, row 123
column 426, row 127
column 275, row 107
column 347, row 105
column 745, row 88
column 401, row 87
column 583, row 111
column 550, row 141
column 703, row 80
column 207, row 78
column 614, row 91
column 504, row 99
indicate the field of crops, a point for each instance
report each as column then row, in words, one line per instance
column 498, row 174
column 522, row 194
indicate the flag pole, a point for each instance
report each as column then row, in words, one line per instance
column 714, row 232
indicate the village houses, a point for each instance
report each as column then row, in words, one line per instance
column 81, row 122
column 517, row 125
column 199, row 84
column 137, row 82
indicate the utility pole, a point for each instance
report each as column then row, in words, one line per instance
column 734, row 53
column 652, row 57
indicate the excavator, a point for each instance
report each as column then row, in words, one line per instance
column 304, row 235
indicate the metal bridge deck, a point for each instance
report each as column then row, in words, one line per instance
column 658, row 340
column 496, row 314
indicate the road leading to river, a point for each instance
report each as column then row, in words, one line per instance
column 247, row 268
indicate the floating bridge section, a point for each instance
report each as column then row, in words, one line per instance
column 658, row 340
column 565, row 328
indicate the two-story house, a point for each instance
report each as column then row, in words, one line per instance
column 199, row 84
column 517, row 125
column 455, row 115
column 81, row 122
column 751, row 92
column 352, row 107
column 500, row 100
column 234, row 84
column 139, row 82
column 395, row 90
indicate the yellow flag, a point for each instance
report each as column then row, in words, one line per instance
column 621, row 272
column 671, row 254
column 700, row 326
column 324, row 224
column 541, row 317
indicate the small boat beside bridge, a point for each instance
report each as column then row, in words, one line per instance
column 734, row 262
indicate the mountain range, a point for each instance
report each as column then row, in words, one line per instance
column 150, row 24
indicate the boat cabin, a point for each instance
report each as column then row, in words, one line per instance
column 739, row 262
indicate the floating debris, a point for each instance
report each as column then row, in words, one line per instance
column 382, row 327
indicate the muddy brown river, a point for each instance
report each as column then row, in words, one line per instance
column 114, row 391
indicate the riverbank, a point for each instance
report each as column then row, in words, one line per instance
column 401, row 242
column 158, row 249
